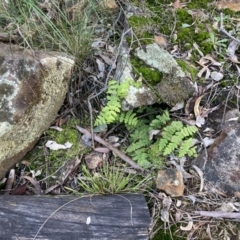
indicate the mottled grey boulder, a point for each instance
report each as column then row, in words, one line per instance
column 173, row 87
column 222, row 167
column 33, row 85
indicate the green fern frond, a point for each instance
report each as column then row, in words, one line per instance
column 186, row 148
column 162, row 144
column 160, row 120
column 140, row 132
column 142, row 159
column 137, row 145
column 129, row 118
column 110, row 113
column 188, row 131
column 171, row 146
column 122, row 89
column 178, row 139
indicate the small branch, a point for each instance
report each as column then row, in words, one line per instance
column 221, row 29
column 115, row 150
column 218, row 214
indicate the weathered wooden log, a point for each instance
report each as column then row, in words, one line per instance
column 67, row 217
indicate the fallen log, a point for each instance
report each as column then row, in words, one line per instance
column 67, row 217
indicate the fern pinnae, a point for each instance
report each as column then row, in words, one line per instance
column 137, row 145
column 171, row 146
column 188, row 131
column 160, row 120
column 185, row 146
column 162, row 144
column 130, row 118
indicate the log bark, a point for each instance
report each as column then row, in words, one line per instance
column 63, row 217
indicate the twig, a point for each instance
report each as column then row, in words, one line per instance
column 218, row 214
column 108, row 145
column 25, row 39
column 221, row 29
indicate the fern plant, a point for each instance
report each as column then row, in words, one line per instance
column 111, row 112
column 175, row 138
column 140, row 143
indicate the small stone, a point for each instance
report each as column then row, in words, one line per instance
column 94, row 160
column 171, row 182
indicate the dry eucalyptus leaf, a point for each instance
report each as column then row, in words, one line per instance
column 179, row 203
column 110, row 4
column 200, row 121
column 55, row 146
column 212, row 60
column 175, row 48
column 108, row 60
column 178, row 216
column 56, row 128
column 197, row 48
column 160, row 40
column 207, row 141
column 152, row 133
column 232, row 48
column 208, row 130
column 200, row 173
column 167, row 201
column 113, row 139
column 101, row 65
column 197, row 106
column 189, row 226
column 216, row 76
column 202, row 71
column 178, row 106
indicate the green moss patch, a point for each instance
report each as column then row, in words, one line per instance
column 49, row 161
column 149, row 74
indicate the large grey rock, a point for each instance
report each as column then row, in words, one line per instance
column 173, row 88
column 222, row 167
column 33, row 85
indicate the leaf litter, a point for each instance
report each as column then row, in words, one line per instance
column 200, row 197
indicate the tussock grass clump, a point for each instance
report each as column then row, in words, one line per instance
column 111, row 180
column 66, row 26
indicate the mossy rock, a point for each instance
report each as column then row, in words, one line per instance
column 33, row 86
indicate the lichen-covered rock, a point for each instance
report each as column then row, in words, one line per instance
column 159, row 59
column 173, row 87
column 33, row 85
